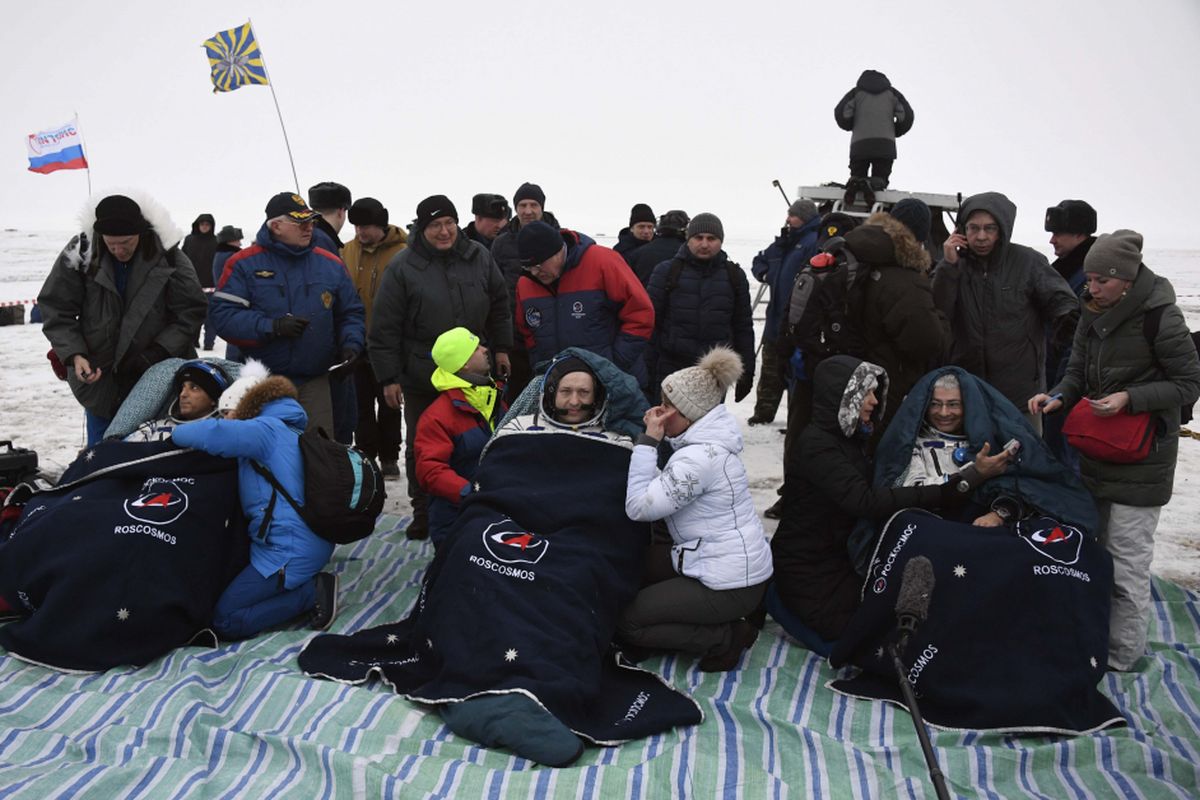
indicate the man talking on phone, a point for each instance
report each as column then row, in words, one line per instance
column 1001, row 298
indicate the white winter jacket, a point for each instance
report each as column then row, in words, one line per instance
column 704, row 495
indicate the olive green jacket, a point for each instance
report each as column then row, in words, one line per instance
column 1111, row 354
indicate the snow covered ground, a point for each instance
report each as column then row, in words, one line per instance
column 38, row 411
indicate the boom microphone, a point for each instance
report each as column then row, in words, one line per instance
column 916, row 587
column 912, row 608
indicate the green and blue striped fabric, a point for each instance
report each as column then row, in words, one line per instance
column 243, row 722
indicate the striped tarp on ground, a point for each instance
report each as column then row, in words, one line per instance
column 243, row 722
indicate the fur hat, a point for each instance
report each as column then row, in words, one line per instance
column 1115, row 255
column 453, row 349
column 697, row 390
column 229, row 234
column 368, row 211
column 674, row 221
column 253, row 372
column 434, row 207
column 915, row 215
column 118, row 215
column 492, row 206
column 328, row 194
column 640, row 213
column 804, row 209
column 529, row 191
column 1071, row 216
column 705, row 222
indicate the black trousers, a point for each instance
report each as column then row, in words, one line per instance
column 380, row 429
column 881, row 168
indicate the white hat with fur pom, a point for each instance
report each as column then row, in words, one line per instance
column 697, row 390
column 252, row 373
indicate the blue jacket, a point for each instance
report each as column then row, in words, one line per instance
column 273, row 439
column 269, row 280
column 778, row 265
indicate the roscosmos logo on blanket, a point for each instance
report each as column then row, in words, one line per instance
column 160, row 502
column 1059, row 543
column 514, row 546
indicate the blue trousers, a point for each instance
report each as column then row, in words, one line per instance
column 794, row 627
column 96, row 426
column 252, row 603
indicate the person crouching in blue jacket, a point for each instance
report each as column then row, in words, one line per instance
column 284, row 578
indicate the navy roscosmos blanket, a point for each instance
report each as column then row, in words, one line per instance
column 524, row 597
column 124, row 559
column 1017, row 634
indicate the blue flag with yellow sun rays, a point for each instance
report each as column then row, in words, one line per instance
column 235, row 59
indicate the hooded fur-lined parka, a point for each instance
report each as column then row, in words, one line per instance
column 266, row 428
column 84, row 313
column 904, row 332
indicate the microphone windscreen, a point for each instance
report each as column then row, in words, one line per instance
column 916, row 586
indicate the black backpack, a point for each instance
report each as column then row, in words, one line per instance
column 827, row 300
column 343, row 489
column 1153, row 321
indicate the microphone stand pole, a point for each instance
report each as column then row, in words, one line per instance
column 910, row 700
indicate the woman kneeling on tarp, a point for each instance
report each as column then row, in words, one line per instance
column 700, row 587
column 828, row 489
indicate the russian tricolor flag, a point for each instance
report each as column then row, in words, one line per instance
column 59, row 148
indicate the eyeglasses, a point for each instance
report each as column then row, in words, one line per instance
column 301, row 223
column 949, row 405
column 443, row 225
column 989, row 229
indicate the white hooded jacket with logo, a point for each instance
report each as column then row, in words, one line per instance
column 704, row 496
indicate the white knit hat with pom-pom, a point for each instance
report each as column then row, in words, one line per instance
column 697, row 390
column 252, row 373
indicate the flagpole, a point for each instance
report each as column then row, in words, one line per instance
column 278, row 113
column 83, row 148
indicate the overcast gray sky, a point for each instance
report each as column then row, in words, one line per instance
column 696, row 105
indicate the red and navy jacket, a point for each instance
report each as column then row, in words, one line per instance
column 450, row 438
column 596, row 304
column 269, row 280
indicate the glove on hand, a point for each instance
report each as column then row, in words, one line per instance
column 289, row 327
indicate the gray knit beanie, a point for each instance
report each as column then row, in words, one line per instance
column 697, row 390
column 804, row 209
column 1115, row 255
column 706, row 223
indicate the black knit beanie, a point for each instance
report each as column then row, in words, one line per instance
column 530, row 191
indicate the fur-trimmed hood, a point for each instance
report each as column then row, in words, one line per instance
column 909, row 252
column 81, row 250
column 273, row 387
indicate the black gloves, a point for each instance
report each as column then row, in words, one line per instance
column 743, row 387
column 346, row 365
column 289, row 327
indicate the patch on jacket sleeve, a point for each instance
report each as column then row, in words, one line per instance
column 264, row 273
column 680, row 484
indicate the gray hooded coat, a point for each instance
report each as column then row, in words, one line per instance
column 876, row 113
column 1001, row 307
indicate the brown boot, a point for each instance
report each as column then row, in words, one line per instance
column 742, row 635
